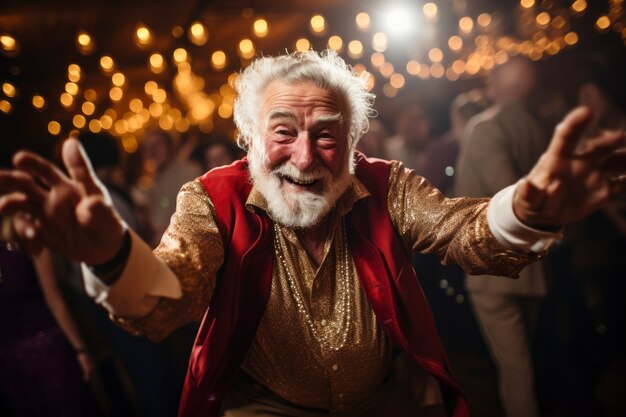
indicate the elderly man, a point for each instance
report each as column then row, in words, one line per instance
column 298, row 257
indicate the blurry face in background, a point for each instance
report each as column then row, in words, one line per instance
column 301, row 161
column 590, row 95
column 216, row 155
column 157, row 149
column 514, row 80
column 414, row 126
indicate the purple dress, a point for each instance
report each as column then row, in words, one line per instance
column 39, row 373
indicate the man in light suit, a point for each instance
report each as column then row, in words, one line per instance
column 499, row 147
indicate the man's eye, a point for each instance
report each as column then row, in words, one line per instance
column 283, row 132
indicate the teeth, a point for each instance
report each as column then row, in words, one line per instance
column 300, row 182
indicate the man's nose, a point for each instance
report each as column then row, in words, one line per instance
column 303, row 154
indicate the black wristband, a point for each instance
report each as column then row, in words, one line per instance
column 109, row 271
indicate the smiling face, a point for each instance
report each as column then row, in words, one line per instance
column 301, row 162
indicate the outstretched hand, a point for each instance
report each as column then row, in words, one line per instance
column 72, row 215
column 573, row 177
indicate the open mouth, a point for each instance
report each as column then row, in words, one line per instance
column 300, row 182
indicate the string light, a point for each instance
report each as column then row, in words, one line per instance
column 260, row 28
column 435, row 55
column 107, row 64
column 413, row 67
column 38, row 102
column 218, row 60
column 303, row 45
column 483, row 20
column 74, row 73
column 8, row 42
column 71, row 88
column 318, row 24
column 95, row 126
column 355, row 49
column 363, row 21
column 5, row 106
column 335, row 42
column 544, row 30
column 455, row 43
column 85, row 43
column 9, row 89
column 603, row 23
column 379, row 42
column 54, row 128
column 198, row 34
column 246, row 49
column 118, row 79
column 143, row 35
column 466, row 24
column 157, row 63
column 88, row 108
column 430, row 11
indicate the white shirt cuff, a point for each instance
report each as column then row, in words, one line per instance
column 510, row 231
column 135, row 293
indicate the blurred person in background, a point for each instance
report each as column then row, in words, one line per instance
column 372, row 142
column 412, row 135
column 44, row 360
column 169, row 173
column 500, row 146
column 212, row 152
column 440, row 158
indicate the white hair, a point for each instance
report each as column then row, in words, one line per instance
column 326, row 70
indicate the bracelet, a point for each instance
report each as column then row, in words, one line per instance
column 119, row 258
column 109, row 271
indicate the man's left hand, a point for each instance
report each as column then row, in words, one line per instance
column 573, row 177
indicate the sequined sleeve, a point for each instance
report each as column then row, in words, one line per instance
column 192, row 248
column 456, row 230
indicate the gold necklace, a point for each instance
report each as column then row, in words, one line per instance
column 344, row 278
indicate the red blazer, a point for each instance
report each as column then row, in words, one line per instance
column 244, row 282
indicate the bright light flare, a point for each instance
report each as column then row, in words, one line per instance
column 399, row 20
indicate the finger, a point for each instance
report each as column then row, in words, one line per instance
column 18, row 181
column 568, row 132
column 93, row 211
column 39, row 167
column 530, row 194
column 79, row 166
column 608, row 141
column 17, row 203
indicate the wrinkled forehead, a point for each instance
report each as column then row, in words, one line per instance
column 301, row 98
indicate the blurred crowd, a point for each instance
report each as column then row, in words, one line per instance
column 551, row 343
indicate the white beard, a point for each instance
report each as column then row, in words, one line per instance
column 297, row 209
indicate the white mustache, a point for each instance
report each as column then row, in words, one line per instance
column 290, row 171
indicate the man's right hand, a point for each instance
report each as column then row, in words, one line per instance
column 73, row 215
